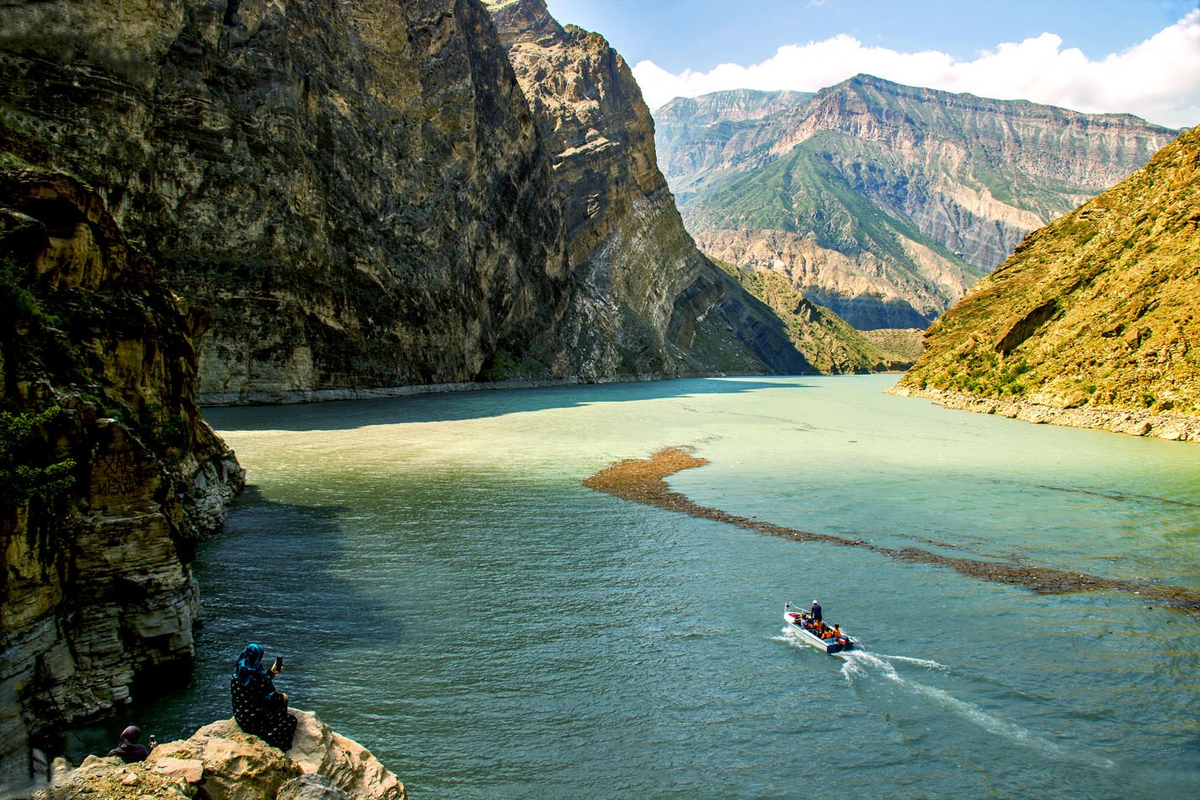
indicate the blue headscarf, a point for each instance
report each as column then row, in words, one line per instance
column 250, row 664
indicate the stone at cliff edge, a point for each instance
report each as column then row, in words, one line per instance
column 220, row 762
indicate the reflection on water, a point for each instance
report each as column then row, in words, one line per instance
column 446, row 591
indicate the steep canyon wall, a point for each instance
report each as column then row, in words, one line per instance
column 113, row 478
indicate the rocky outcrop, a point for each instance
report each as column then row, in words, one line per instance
column 884, row 201
column 220, row 762
column 825, row 340
column 696, row 135
column 97, row 376
column 1094, row 320
column 358, row 191
column 625, row 240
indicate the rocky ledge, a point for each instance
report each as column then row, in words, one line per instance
column 1175, row 427
column 220, row 762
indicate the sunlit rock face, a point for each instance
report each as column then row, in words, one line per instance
column 625, row 240
column 220, row 762
column 885, row 202
column 358, row 191
column 1093, row 321
column 97, row 583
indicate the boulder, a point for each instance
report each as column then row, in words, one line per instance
column 221, row 762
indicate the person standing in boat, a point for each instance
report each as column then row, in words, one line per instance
column 258, row 708
column 816, row 611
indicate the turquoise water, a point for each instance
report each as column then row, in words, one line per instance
column 446, row 592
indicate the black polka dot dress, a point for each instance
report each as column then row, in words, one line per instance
column 262, row 711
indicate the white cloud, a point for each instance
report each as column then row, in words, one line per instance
column 1158, row 79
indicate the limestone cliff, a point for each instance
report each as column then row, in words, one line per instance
column 625, row 240
column 96, row 586
column 1094, row 321
column 220, row 762
column 885, row 202
column 358, row 191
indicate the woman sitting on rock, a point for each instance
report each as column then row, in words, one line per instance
column 257, row 707
column 128, row 749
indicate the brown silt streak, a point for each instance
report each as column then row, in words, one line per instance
column 643, row 481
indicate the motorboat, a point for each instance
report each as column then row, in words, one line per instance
column 800, row 623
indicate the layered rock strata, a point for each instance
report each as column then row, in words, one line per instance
column 885, row 202
column 1094, row 321
column 625, row 239
column 220, row 762
column 359, row 192
column 97, row 587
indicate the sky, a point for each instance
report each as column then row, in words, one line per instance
column 1120, row 56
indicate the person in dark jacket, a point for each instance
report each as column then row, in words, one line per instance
column 258, row 708
column 816, row 611
column 128, row 748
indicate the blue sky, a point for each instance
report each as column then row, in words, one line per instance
column 1138, row 56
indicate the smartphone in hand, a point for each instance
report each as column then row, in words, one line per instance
column 277, row 667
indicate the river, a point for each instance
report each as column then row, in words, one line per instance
column 446, row 591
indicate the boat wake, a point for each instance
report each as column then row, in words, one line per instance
column 861, row 664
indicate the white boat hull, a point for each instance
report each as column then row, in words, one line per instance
column 792, row 619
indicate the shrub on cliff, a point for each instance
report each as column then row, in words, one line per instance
column 25, row 469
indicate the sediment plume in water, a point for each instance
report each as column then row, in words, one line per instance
column 642, row 481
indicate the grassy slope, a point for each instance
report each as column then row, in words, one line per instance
column 805, row 192
column 1117, row 283
column 827, row 341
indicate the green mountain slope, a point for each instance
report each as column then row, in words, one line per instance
column 826, row 340
column 1098, row 313
column 886, row 202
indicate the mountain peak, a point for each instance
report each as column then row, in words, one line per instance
column 523, row 21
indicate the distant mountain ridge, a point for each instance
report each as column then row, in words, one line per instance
column 1094, row 321
column 885, row 202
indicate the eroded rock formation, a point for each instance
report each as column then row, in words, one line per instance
column 97, row 588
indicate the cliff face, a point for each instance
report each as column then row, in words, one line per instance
column 625, row 240
column 699, row 135
column 885, row 202
column 358, row 191
column 97, row 590
column 1094, row 321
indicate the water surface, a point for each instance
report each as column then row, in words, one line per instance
column 447, row 592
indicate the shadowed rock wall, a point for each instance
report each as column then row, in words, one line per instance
column 97, row 588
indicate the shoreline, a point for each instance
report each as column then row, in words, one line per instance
column 643, row 481
column 299, row 396
column 1132, row 422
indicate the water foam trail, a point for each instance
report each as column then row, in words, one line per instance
column 920, row 662
column 860, row 662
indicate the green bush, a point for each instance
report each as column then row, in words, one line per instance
column 25, row 470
